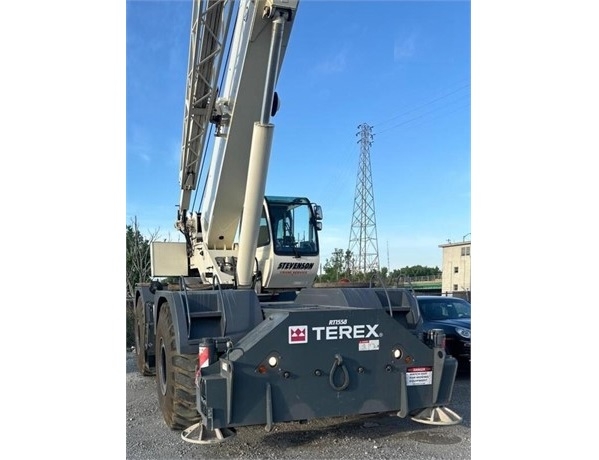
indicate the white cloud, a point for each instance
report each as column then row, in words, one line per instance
column 138, row 144
column 404, row 47
column 334, row 64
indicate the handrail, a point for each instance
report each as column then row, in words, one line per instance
column 183, row 286
column 384, row 288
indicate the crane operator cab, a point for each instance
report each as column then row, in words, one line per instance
column 287, row 250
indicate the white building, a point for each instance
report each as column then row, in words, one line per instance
column 456, row 268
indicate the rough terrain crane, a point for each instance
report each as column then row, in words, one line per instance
column 245, row 339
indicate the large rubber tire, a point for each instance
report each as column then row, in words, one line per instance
column 175, row 376
column 140, row 338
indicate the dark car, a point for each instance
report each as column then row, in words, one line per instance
column 451, row 314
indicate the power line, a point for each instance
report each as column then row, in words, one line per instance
column 404, row 122
column 419, row 106
column 430, row 119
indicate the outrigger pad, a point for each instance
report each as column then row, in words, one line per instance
column 437, row 416
column 205, row 436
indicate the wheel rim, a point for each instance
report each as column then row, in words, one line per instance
column 162, row 368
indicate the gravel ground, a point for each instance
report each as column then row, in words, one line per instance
column 358, row 437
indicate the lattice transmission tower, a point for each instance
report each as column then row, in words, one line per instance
column 363, row 243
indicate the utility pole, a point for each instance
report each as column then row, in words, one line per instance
column 363, row 238
column 388, row 263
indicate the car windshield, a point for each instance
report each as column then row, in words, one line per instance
column 444, row 308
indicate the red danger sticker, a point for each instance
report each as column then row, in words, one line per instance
column 420, row 369
column 419, row 376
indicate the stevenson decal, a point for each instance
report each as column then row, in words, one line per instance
column 295, row 266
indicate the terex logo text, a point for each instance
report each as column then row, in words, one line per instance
column 357, row 331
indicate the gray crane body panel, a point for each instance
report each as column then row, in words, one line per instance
column 211, row 313
column 306, row 361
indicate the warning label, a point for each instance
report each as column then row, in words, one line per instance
column 368, row 345
column 419, row 376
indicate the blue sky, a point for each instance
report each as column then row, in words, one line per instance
column 401, row 67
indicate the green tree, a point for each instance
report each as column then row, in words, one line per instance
column 138, row 256
column 333, row 267
column 349, row 261
column 414, row 271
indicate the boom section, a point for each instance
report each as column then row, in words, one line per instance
column 238, row 109
column 209, row 29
